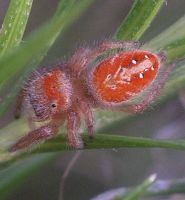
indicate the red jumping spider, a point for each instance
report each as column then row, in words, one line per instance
column 109, row 76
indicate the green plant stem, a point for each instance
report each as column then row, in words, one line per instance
column 172, row 41
column 175, row 32
column 101, row 141
column 166, row 187
column 158, row 188
column 175, row 50
column 14, row 24
column 140, row 190
column 139, row 19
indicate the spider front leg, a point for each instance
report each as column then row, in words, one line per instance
column 88, row 116
column 73, row 125
column 35, row 136
column 108, row 45
column 19, row 103
column 79, row 60
column 19, row 107
column 152, row 94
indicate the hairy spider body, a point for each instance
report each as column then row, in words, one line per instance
column 69, row 91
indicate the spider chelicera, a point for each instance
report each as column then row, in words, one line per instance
column 109, row 76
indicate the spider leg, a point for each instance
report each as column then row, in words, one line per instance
column 18, row 109
column 107, row 45
column 152, row 94
column 19, row 103
column 78, row 61
column 88, row 116
column 35, row 136
column 73, row 124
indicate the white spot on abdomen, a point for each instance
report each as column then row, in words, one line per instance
column 134, row 61
column 141, row 75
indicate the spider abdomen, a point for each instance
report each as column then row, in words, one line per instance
column 124, row 75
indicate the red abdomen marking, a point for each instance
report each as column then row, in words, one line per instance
column 124, row 75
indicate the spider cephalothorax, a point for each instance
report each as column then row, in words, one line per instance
column 69, row 92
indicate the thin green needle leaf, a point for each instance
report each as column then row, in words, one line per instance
column 14, row 24
column 172, row 41
column 140, row 190
column 175, row 32
column 158, row 188
column 166, row 187
column 175, row 50
column 139, row 19
column 101, row 141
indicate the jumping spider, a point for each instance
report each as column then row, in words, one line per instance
column 109, row 76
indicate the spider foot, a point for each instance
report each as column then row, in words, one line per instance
column 76, row 144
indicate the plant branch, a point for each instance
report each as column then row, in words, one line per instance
column 138, row 20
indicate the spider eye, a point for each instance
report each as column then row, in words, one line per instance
column 53, row 105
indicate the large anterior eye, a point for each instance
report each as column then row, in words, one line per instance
column 53, row 105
